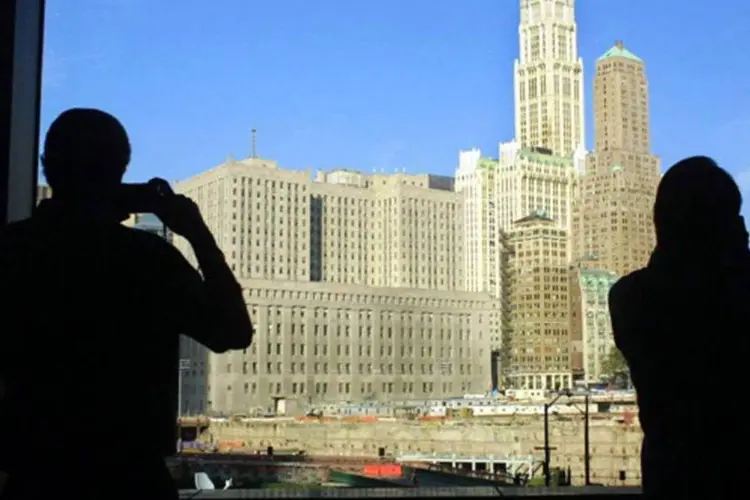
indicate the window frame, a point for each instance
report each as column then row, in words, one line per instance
column 21, row 48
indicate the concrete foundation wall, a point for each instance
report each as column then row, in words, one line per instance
column 615, row 446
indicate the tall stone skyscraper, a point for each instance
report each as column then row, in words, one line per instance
column 533, row 177
column 549, row 78
column 536, row 350
column 534, row 172
column 613, row 202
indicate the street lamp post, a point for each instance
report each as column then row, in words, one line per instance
column 586, row 443
column 546, row 445
column 547, row 449
column 586, row 439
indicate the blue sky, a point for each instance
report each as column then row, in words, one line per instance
column 374, row 84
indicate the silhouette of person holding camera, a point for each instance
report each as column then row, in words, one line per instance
column 681, row 323
column 92, row 312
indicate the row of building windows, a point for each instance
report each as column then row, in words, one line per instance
column 344, row 388
column 346, row 368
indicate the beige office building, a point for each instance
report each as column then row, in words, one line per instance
column 354, row 281
column 477, row 180
column 323, row 342
column 498, row 192
column 613, row 201
column 396, row 230
column 536, row 350
column 343, row 227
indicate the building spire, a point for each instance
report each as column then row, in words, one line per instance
column 253, row 144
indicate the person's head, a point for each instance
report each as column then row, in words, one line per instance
column 697, row 202
column 86, row 152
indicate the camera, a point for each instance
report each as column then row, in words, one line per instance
column 143, row 198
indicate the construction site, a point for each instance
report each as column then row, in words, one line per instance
column 464, row 446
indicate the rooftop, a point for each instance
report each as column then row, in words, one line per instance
column 597, row 273
column 545, row 156
column 536, row 215
column 597, row 277
column 619, row 50
column 487, row 163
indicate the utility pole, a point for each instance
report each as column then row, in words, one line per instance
column 546, row 446
column 586, row 439
column 586, row 442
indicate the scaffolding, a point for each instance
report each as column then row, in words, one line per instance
column 506, row 308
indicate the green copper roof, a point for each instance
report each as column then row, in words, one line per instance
column 487, row 163
column 598, row 273
column 594, row 278
column 536, row 215
column 616, row 168
column 546, row 159
column 619, row 50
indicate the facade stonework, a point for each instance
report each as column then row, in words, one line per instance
column 613, row 201
column 355, row 285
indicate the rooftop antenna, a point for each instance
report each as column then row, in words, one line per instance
column 253, row 148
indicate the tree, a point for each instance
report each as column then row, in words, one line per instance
column 614, row 366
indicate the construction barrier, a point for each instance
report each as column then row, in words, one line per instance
column 230, row 445
column 383, row 470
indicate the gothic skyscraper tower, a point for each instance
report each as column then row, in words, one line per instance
column 549, row 104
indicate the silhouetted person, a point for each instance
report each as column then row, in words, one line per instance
column 682, row 324
column 91, row 316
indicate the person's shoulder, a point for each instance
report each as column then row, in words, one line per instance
column 148, row 245
column 631, row 279
column 628, row 285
